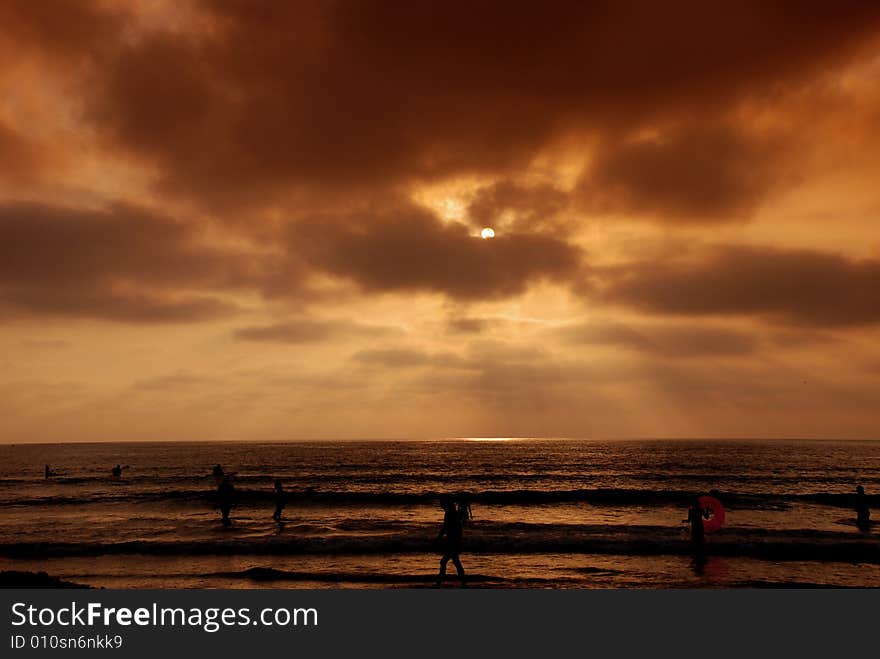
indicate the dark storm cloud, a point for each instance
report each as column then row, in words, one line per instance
column 272, row 96
column 251, row 103
column 409, row 249
column 795, row 286
column 663, row 340
column 70, row 30
column 123, row 263
column 306, row 330
column 694, row 173
column 130, row 264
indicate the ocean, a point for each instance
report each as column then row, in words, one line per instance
column 546, row 513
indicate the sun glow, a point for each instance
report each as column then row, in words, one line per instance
column 494, row 439
column 487, row 232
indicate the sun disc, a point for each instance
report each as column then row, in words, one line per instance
column 487, row 233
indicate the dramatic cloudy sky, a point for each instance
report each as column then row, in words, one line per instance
column 255, row 220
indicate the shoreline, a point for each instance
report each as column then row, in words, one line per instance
column 32, row 580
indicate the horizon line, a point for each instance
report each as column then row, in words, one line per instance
column 493, row 439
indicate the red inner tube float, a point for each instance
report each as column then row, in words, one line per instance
column 716, row 510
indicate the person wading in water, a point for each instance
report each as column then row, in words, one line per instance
column 452, row 529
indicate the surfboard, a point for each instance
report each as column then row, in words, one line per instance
column 716, row 520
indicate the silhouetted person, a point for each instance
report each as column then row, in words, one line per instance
column 695, row 517
column 863, row 512
column 452, row 530
column 217, row 473
column 48, row 472
column 280, row 500
column 225, row 499
column 116, row 471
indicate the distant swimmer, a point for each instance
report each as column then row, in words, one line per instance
column 225, row 498
column 452, row 529
column 863, row 512
column 49, row 472
column 117, row 471
column 280, row 500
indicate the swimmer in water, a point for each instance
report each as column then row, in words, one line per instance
column 280, row 500
column 116, row 471
column 225, row 497
column 863, row 512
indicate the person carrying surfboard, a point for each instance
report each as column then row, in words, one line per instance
column 695, row 517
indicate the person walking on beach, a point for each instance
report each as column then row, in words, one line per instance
column 863, row 512
column 452, row 529
column 280, row 500
column 225, row 498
